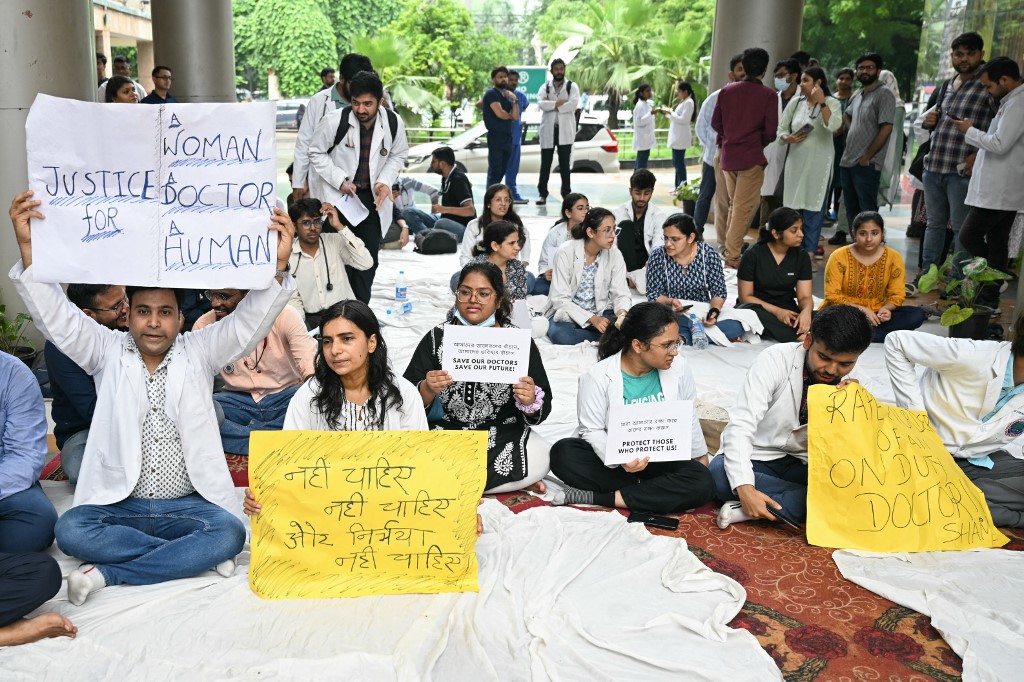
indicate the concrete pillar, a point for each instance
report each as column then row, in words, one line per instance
column 49, row 47
column 104, row 47
column 196, row 40
column 774, row 25
column 145, row 64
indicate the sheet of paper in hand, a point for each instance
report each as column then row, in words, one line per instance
column 174, row 195
column 879, row 479
column 499, row 355
column 660, row 431
column 354, row 513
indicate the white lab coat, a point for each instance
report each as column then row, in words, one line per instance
column 998, row 174
column 643, row 126
column 679, row 135
column 471, row 239
column 654, row 220
column 564, row 116
column 387, row 159
column 113, row 454
column 603, row 383
column 775, row 153
column 318, row 106
column 610, row 289
column 960, row 385
column 302, row 414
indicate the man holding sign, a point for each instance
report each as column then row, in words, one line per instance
column 154, row 499
column 763, row 459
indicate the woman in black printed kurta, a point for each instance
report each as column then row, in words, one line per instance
column 516, row 458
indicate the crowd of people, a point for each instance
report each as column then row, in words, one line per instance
column 130, row 369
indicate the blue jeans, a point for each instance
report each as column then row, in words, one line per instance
column 513, row 170
column 499, row 150
column 707, row 194
column 944, row 196
column 71, row 455
column 142, row 542
column 568, row 334
column 905, row 317
column 421, row 220
column 26, row 521
column 784, row 480
column 812, row 229
column 679, row 163
column 860, row 190
column 541, row 287
column 243, row 415
column 731, row 328
column 642, row 156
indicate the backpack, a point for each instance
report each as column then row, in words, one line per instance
column 434, row 242
column 568, row 92
column 343, row 126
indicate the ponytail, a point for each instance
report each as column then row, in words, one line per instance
column 643, row 322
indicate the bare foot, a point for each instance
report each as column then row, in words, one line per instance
column 537, row 487
column 33, row 629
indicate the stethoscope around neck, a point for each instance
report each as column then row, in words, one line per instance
column 327, row 264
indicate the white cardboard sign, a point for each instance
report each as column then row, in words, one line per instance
column 498, row 355
column 660, row 431
column 175, row 195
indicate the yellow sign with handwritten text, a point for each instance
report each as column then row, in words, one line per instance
column 879, row 479
column 347, row 514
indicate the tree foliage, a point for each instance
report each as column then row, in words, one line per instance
column 355, row 19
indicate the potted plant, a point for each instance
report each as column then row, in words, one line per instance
column 965, row 318
column 687, row 194
column 12, row 336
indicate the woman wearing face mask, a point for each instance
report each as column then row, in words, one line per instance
column 588, row 286
column 517, row 458
column 807, row 127
column 574, row 208
column 643, row 125
column 639, row 364
column 500, row 246
column 774, row 278
column 121, row 90
column 871, row 276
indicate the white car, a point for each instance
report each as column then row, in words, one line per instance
column 597, row 108
column 595, row 151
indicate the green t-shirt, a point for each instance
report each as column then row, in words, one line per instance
column 642, row 389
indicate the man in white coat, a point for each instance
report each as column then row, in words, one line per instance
column 356, row 154
column 762, row 463
column 639, row 222
column 557, row 99
column 155, row 500
column 973, row 392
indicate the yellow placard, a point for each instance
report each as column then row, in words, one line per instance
column 351, row 513
column 880, row 479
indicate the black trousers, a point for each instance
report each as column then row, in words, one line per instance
column 26, row 582
column 369, row 232
column 564, row 167
column 661, row 488
column 985, row 232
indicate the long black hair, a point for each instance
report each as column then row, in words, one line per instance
column 503, row 309
column 780, row 220
column 816, row 73
column 113, row 85
column 568, row 201
column 485, row 214
column 384, row 392
column 591, row 221
column 643, row 322
column 498, row 231
column 636, row 95
column 684, row 224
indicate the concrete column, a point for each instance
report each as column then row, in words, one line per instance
column 104, row 47
column 145, row 64
column 196, row 40
column 774, row 25
column 49, row 47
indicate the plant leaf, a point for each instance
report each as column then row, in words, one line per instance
column 929, row 280
column 954, row 314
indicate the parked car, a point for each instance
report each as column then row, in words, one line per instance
column 289, row 113
column 597, row 108
column 596, row 150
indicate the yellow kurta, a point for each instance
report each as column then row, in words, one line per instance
column 847, row 280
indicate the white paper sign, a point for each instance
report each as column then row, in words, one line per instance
column 174, row 195
column 499, row 355
column 660, row 431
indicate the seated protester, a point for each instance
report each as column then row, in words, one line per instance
column 686, row 268
column 318, row 260
column 574, row 208
column 517, row 458
column 588, row 286
column 973, row 392
column 497, row 206
column 397, row 235
column 403, row 193
column 73, row 390
column 774, row 278
column 870, row 276
column 640, row 223
column 763, row 458
column 353, row 388
column 258, row 386
column 27, row 581
column 639, row 364
column 501, row 246
column 456, row 208
column 149, row 381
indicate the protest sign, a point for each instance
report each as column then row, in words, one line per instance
column 660, row 431
column 174, row 195
column 499, row 355
column 880, row 480
column 353, row 513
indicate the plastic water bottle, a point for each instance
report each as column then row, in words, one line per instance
column 399, row 309
column 401, row 288
column 388, row 317
column 698, row 338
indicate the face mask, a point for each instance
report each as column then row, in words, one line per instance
column 489, row 322
column 781, row 84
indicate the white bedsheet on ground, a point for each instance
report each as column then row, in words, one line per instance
column 975, row 600
column 564, row 595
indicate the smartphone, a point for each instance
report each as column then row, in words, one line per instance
column 955, row 118
column 805, row 130
column 783, row 516
column 665, row 522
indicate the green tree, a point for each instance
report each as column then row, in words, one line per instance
column 678, row 53
column 409, row 93
column 357, row 19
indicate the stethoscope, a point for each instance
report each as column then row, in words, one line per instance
column 327, row 264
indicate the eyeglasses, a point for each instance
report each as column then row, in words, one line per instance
column 310, row 223
column 482, row 295
column 118, row 309
column 610, row 230
column 867, row 67
column 213, row 296
column 169, row 78
column 668, row 347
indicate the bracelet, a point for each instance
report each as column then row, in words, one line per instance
column 538, row 401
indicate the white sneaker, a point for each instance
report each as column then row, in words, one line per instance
column 729, row 513
column 226, row 568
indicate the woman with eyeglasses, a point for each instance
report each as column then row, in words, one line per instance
column 497, row 206
column 517, row 458
column 588, row 283
column 500, row 246
column 574, row 209
column 639, row 364
column 686, row 268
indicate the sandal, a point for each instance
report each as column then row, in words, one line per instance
column 911, row 290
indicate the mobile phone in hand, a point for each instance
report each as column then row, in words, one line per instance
column 783, row 516
column 665, row 522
